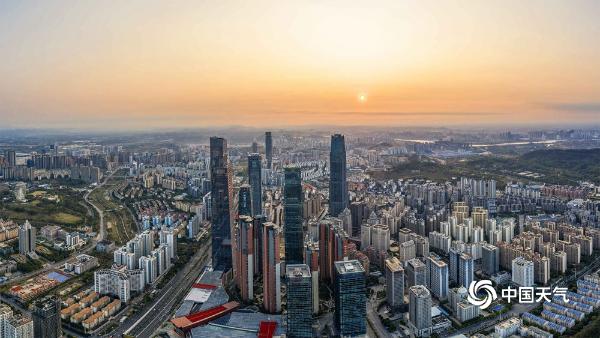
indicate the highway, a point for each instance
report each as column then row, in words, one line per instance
column 145, row 322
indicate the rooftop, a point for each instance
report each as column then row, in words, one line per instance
column 351, row 266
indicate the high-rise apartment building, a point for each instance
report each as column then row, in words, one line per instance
column 522, row 272
column 437, row 276
column 394, row 277
column 419, row 309
column 26, row 238
column 416, row 272
column 490, row 258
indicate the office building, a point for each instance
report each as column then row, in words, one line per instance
column 350, row 298
column 465, row 269
column 522, row 272
column 244, row 201
column 454, row 253
column 26, row 238
column 271, row 268
column 419, row 310
column 490, row 259
column 255, row 181
column 416, row 272
column 333, row 247
column 269, row 149
column 311, row 258
column 394, row 286
column 46, row 317
column 293, row 232
column 221, row 197
column 338, row 186
column 299, row 301
column 245, row 257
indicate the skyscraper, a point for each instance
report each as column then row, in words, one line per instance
column 244, row 201
column 394, row 277
column 11, row 157
column 416, row 272
column 437, row 276
column 338, row 187
column 350, row 298
column 299, row 301
column 258, row 246
column 311, row 258
column 255, row 180
column 333, row 247
column 490, row 259
column 271, row 268
column 26, row 238
column 244, row 252
column 419, row 309
column 269, row 149
column 221, row 197
column 292, row 202
column 454, row 253
column 46, row 317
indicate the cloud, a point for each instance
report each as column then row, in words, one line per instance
column 576, row 107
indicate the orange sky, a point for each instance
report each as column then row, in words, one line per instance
column 141, row 64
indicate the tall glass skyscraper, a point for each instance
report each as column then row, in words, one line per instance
column 244, row 201
column 350, row 298
column 338, row 187
column 255, row 180
column 269, row 149
column 299, row 301
column 292, row 213
column 221, row 196
column 46, row 317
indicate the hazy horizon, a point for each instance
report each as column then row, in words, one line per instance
column 137, row 65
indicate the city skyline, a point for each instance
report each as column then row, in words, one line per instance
column 151, row 65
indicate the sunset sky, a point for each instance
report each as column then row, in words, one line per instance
column 154, row 64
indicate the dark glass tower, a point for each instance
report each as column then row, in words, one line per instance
column 244, row 201
column 299, row 301
column 255, row 180
column 338, row 187
column 221, row 196
column 350, row 299
column 269, row 149
column 46, row 317
column 292, row 215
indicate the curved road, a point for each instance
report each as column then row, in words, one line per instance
column 101, row 227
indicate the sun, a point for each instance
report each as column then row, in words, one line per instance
column 362, row 97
